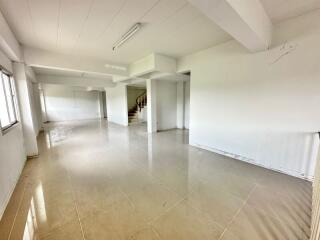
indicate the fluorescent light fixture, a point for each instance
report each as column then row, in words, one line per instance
column 116, row 67
column 129, row 34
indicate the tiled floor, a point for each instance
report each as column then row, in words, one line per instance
column 96, row 181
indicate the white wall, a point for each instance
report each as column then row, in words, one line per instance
column 261, row 107
column 12, row 159
column 166, row 104
column 117, row 105
column 12, row 154
column 64, row 103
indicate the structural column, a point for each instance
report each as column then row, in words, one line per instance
column 43, row 104
column 152, row 105
column 101, row 105
column 26, row 118
column 180, row 104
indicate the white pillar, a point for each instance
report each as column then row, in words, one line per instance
column 180, row 104
column 101, row 110
column 104, row 104
column 43, row 104
column 24, row 96
column 37, row 105
column 152, row 105
column 117, row 104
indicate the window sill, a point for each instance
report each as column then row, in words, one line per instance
column 7, row 129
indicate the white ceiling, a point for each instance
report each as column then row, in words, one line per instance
column 279, row 10
column 91, row 27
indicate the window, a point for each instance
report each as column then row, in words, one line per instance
column 8, row 113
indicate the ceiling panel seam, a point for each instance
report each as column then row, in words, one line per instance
column 149, row 10
column 112, row 20
column 83, row 24
column 32, row 21
column 58, row 24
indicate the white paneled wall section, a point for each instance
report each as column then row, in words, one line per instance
column 64, row 103
column 260, row 107
column 315, row 221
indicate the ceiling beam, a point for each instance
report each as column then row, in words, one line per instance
column 148, row 66
column 31, row 74
column 246, row 20
column 45, row 59
column 153, row 63
column 76, row 81
column 8, row 43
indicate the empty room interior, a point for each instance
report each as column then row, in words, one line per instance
column 159, row 120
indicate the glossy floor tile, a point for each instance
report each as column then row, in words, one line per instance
column 95, row 180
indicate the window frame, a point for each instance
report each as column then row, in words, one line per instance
column 13, row 95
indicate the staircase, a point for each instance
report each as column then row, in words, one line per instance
column 133, row 113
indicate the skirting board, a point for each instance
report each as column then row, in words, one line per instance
column 32, row 156
column 119, row 124
column 9, row 194
column 251, row 161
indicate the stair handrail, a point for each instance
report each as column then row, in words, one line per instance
column 141, row 101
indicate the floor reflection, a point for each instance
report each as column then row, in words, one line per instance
column 31, row 223
column 95, row 180
column 36, row 214
column 41, row 207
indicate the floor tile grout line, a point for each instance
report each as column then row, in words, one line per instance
column 155, row 232
column 208, row 218
column 82, row 232
column 128, row 198
column 238, row 212
column 171, row 208
column 16, row 214
column 166, row 211
column 207, row 182
column 76, row 205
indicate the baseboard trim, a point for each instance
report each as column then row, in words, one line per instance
column 252, row 161
column 9, row 194
column 32, row 156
